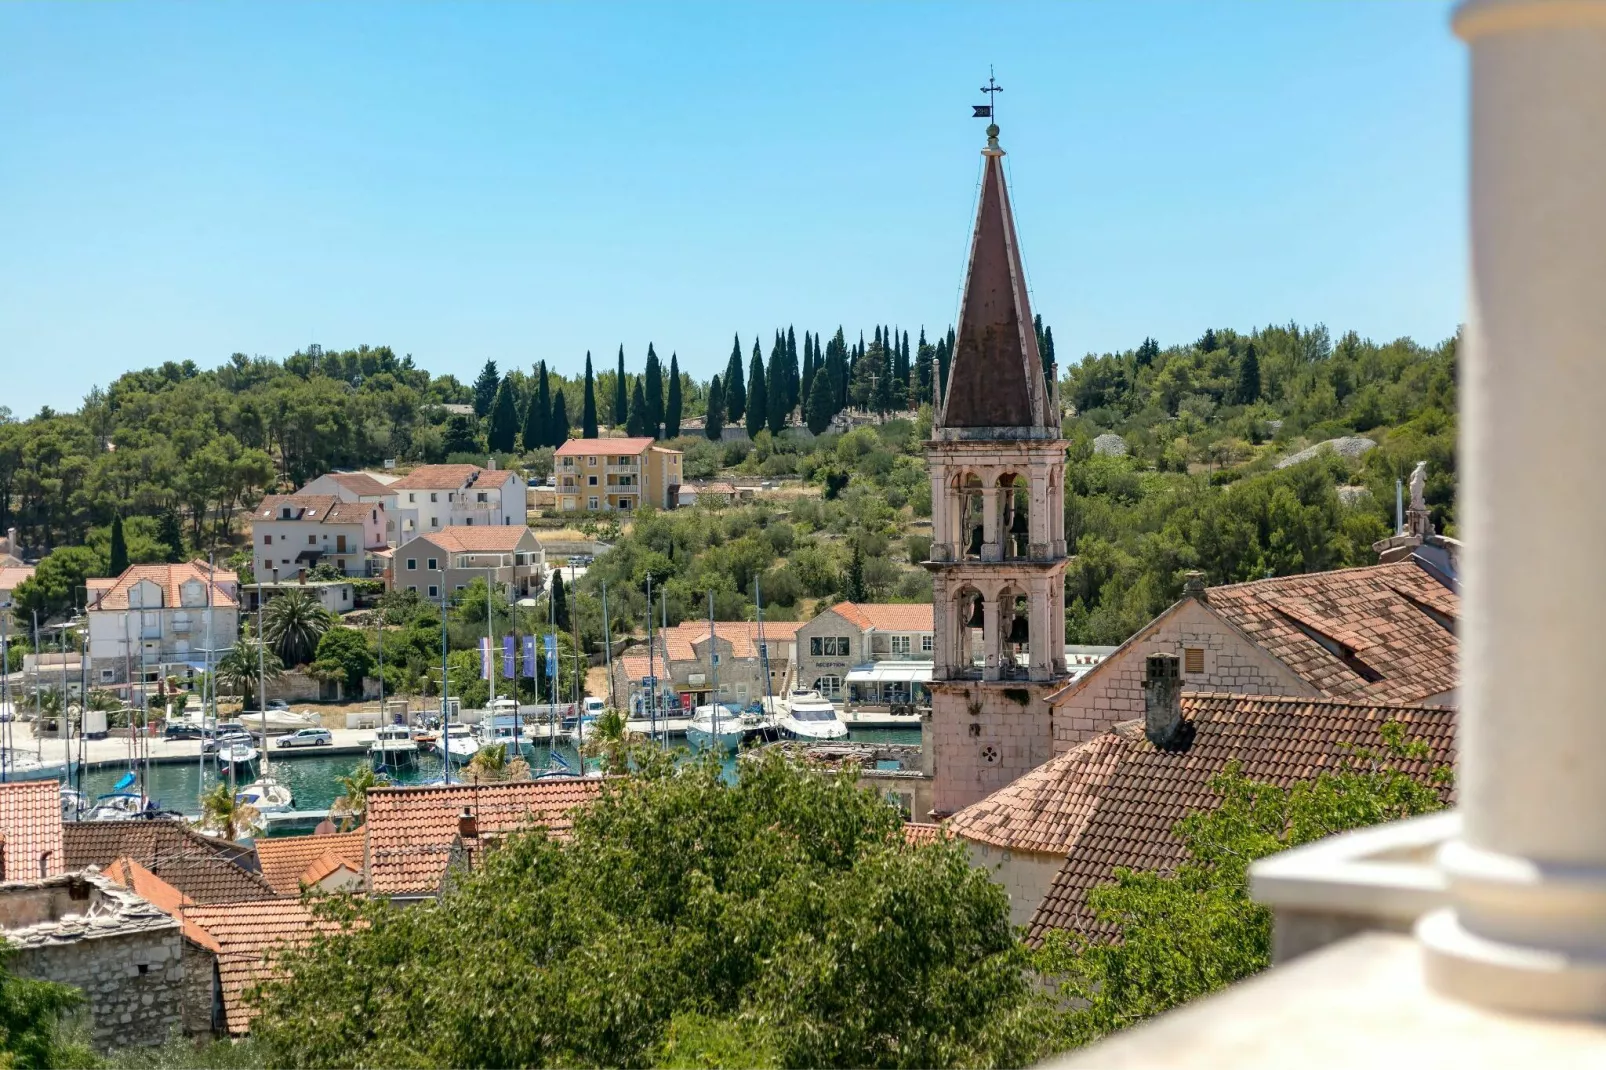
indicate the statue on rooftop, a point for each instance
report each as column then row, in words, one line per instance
column 1419, row 482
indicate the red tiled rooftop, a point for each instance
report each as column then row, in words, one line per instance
column 917, row 833
column 603, row 447
column 169, row 578
column 1045, row 810
column 30, row 828
column 449, row 477
column 163, row 896
column 887, row 616
column 313, row 508
column 284, row 859
column 478, row 538
column 248, row 935
column 201, row 867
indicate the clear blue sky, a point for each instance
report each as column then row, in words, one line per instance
column 530, row 181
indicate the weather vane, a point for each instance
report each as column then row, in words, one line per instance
column 989, row 109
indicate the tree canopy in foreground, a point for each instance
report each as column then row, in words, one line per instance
column 781, row 920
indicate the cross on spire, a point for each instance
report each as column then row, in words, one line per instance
column 989, row 110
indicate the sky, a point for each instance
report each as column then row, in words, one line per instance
column 525, row 182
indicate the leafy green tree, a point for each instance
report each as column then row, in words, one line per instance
column 559, row 427
column 54, row 587
column 673, row 405
column 343, row 654
column 735, row 390
column 621, row 402
column 119, row 548
column 1184, row 934
column 560, row 602
column 503, row 433
column 1248, row 389
column 588, row 413
column 33, row 1020
column 757, row 398
column 714, row 422
column 636, row 425
column 537, row 414
column 685, row 921
column 462, row 435
column 654, row 387
column 485, row 389
column 294, row 624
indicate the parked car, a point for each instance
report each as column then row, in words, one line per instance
column 306, row 737
column 226, row 739
column 184, row 730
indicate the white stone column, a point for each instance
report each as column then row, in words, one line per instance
column 991, row 549
column 989, row 636
column 941, row 515
column 1527, row 928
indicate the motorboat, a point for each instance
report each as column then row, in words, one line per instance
column 458, row 743
column 278, row 720
column 393, row 748
column 809, row 716
column 576, row 727
column 266, row 796
column 715, row 727
column 501, row 731
column 237, row 754
column 119, row 806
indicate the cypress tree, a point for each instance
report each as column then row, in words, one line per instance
column 621, row 402
column 923, row 357
column 807, row 378
column 485, row 389
column 672, row 406
column 171, row 536
column 757, row 400
column 776, row 388
column 793, row 380
column 1248, row 391
column 714, row 425
column 119, row 552
column 558, row 426
column 636, row 422
column 735, row 390
column 504, row 428
column 821, row 405
column 853, row 582
column 1049, row 363
column 655, row 392
column 536, row 414
column 588, row 411
column 560, row 602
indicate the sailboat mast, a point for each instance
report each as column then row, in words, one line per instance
column 763, row 648
column 713, row 664
column 446, row 754
column 652, row 679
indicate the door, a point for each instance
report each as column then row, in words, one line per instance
column 340, row 544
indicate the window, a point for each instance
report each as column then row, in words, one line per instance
column 716, row 660
column 1193, row 660
column 284, row 514
column 925, row 644
column 434, row 521
column 593, row 501
column 468, row 522
column 829, row 686
column 457, row 587
column 412, row 497
column 591, row 481
column 433, row 565
column 624, row 503
column 480, row 497
column 107, row 675
column 900, row 644
column 312, row 540
column 413, row 587
column 267, row 540
column 591, row 462
column 412, row 564
column 829, row 646
column 434, row 591
column 432, row 496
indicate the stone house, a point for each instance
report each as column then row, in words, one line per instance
column 684, row 661
column 510, row 558
column 201, row 1005
column 84, row 930
column 616, row 475
column 868, row 653
column 156, row 621
column 436, row 496
column 290, row 534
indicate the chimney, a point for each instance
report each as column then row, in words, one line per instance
column 490, row 464
column 467, row 827
column 1193, row 586
column 1162, row 701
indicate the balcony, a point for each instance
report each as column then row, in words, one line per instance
column 623, row 469
column 905, row 655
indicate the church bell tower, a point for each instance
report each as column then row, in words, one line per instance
column 997, row 466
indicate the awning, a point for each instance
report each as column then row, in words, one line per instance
column 891, row 672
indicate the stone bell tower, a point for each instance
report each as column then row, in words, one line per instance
column 997, row 466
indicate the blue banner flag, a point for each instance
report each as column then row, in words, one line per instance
column 551, row 642
column 485, row 657
column 507, row 657
column 529, row 656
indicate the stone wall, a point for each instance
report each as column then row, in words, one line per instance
column 1025, row 875
column 202, row 1011
column 1113, row 691
column 133, row 983
column 984, row 735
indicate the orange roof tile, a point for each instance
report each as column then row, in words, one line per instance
column 13, row 575
column 169, row 578
column 447, row 477
column 248, row 936
column 918, row 834
column 1045, row 810
column 603, row 447
column 1126, row 815
column 479, row 538
column 358, row 482
column 161, row 895
column 284, row 859
column 201, row 867
column 313, row 508
column 328, row 863
column 887, row 616
column 410, row 830
column 30, row 830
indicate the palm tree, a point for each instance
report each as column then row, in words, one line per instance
column 238, row 669
column 609, row 742
column 221, row 811
column 352, row 807
column 293, row 623
column 490, row 763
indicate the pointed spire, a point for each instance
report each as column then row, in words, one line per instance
column 995, row 375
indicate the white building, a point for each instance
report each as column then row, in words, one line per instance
column 360, row 487
column 436, row 496
column 156, row 621
column 292, row 533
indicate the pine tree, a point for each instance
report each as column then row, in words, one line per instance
column 672, row 406
column 588, row 413
column 503, row 432
column 1248, row 391
column 821, row 405
column 560, row 602
column 775, row 388
column 558, row 426
column 119, row 554
column 757, row 400
column 621, row 396
column 1147, row 352
column 171, row 536
column 1207, row 342
column 654, row 388
column 735, row 390
column 536, row 415
column 714, row 425
column 636, row 422
column 485, row 389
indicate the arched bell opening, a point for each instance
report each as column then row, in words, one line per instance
column 972, row 517
column 1015, row 501
column 1015, row 634
column 970, row 616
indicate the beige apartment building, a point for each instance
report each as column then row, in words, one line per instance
column 605, row 475
column 507, row 557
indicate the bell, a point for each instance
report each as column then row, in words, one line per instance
column 978, row 619
column 1020, row 631
column 1017, row 523
column 975, row 541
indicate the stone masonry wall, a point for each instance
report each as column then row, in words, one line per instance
column 133, row 983
column 1025, row 875
column 1113, row 692
column 200, row 988
column 982, row 737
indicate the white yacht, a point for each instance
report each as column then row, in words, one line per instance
column 393, row 748
column 716, row 727
column 237, row 754
column 809, row 716
column 266, row 796
column 500, row 730
column 457, row 742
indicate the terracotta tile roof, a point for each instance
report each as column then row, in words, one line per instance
column 1045, row 810
column 603, row 447
column 1132, row 810
column 248, row 935
column 887, row 616
column 917, row 834
column 30, row 830
column 313, row 508
column 479, row 538
column 169, row 578
column 161, row 895
column 1382, row 632
column 199, row 866
column 440, row 477
column 359, row 482
column 410, row 830
column 328, row 863
column 11, row 576
column 285, row 858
